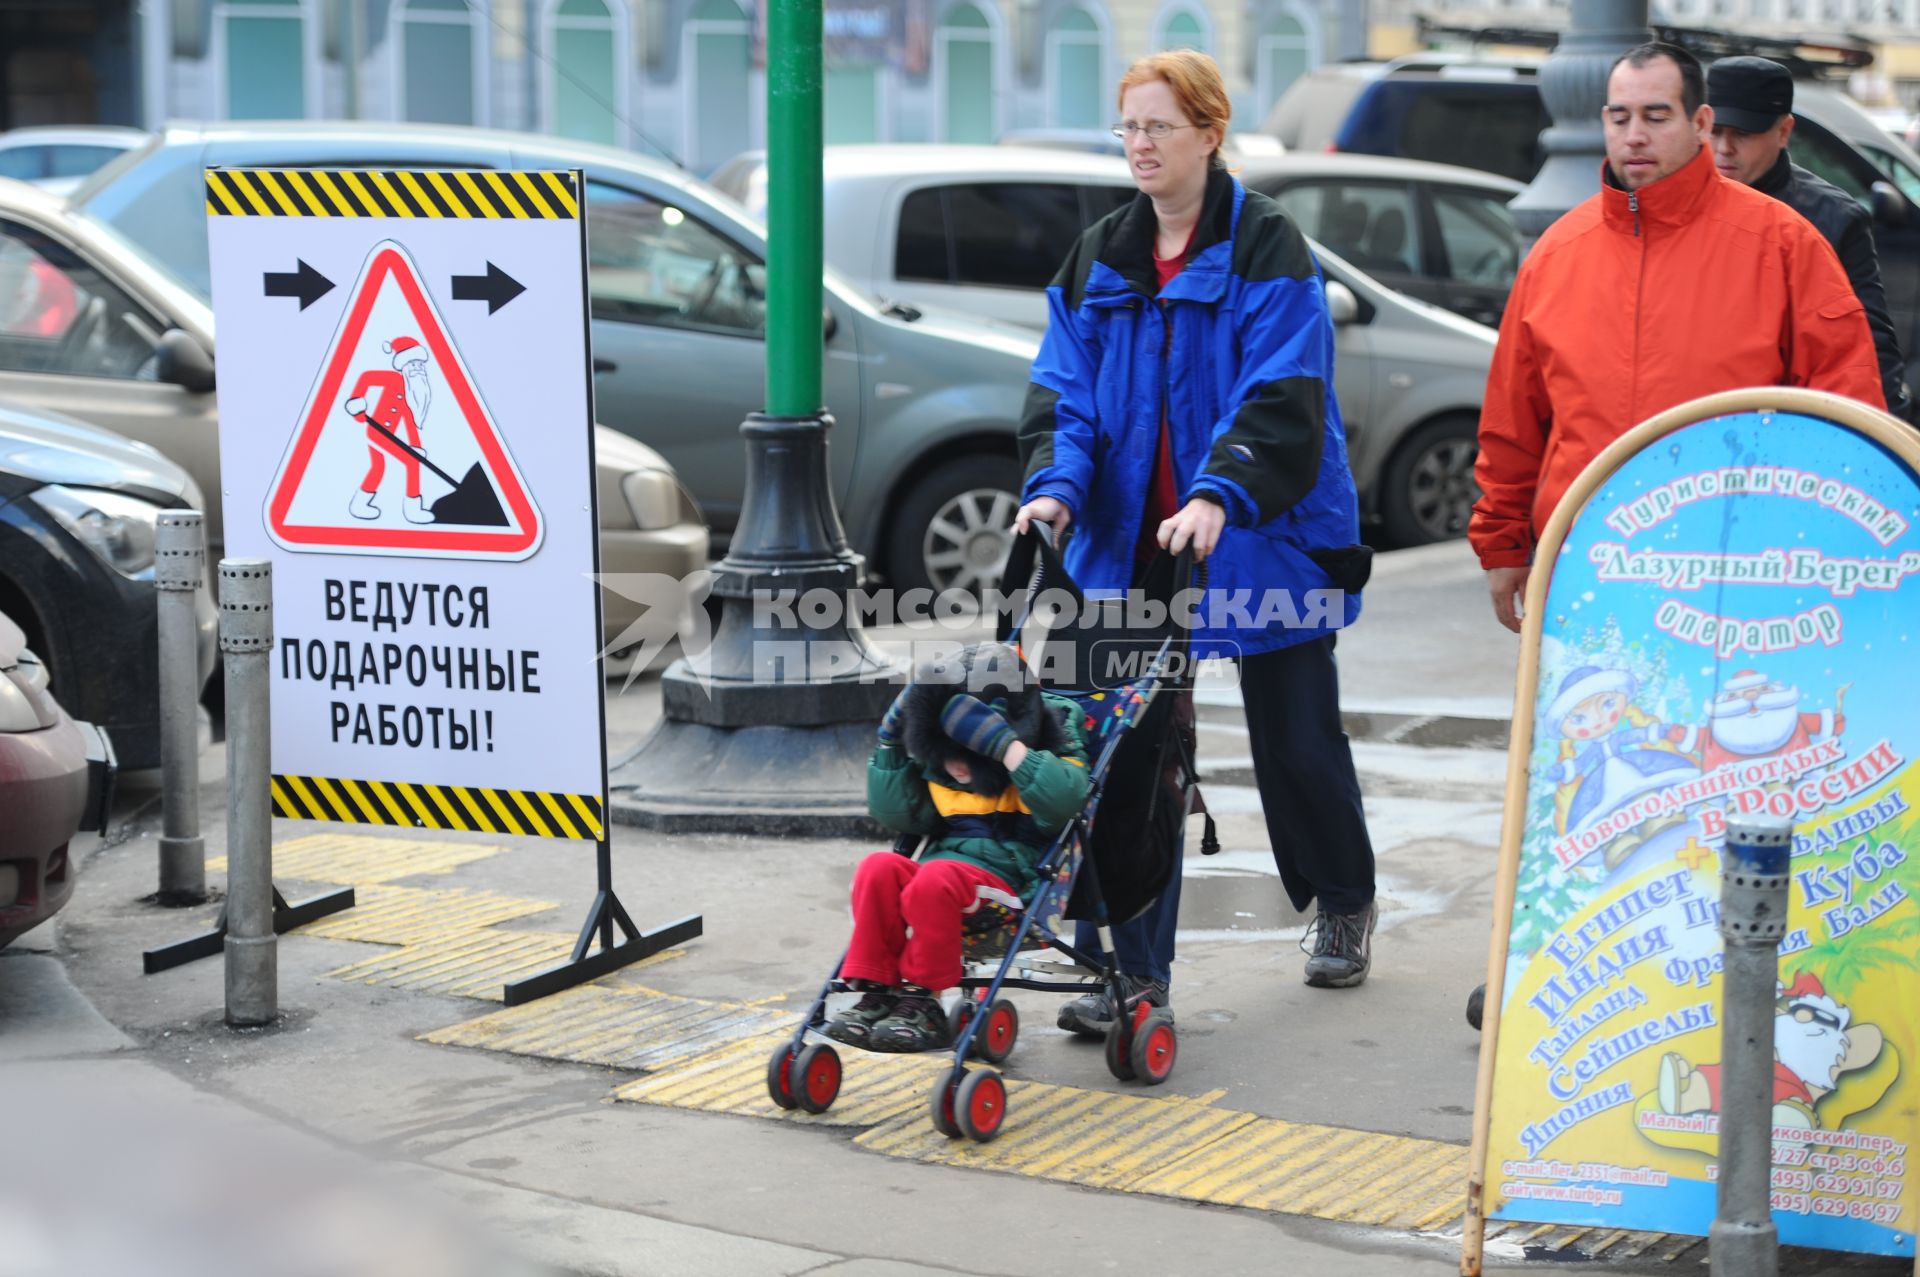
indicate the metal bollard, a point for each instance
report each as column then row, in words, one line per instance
column 1754, row 864
column 180, row 565
column 246, row 639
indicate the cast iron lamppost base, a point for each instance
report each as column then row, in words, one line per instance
column 769, row 730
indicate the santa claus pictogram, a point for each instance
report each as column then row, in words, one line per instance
column 393, row 403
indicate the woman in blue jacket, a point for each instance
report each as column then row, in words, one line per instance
column 1184, row 396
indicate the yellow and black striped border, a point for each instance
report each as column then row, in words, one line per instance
column 392, row 802
column 449, row 193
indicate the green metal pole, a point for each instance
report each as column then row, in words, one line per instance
column 795, row 333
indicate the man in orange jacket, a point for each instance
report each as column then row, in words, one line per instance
column 1673, row 282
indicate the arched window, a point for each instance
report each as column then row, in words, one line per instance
column 963, row 75
column 263, row 61
column 1182, row 28
column 441, row 54
column 1076, row 69
column 719, row 111
column 1284, row 54
column 585, row 82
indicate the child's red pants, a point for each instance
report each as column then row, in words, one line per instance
column 907, row 917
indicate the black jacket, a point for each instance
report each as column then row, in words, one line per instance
column 1849, row 228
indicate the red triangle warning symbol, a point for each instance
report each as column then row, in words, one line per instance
column 396, row 453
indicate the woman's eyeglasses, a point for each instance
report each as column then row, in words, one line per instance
column 1158, row 130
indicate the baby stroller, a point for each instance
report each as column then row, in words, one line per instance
column 1107, row 865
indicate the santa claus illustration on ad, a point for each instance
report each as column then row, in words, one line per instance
column 1755, row 717
column 392, row 404
column 1815, row 1043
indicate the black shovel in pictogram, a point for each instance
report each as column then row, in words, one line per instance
column 472, row 502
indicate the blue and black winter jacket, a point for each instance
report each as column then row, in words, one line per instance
column 1239, row 348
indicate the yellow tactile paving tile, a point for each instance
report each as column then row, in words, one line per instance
column 1102, row 1139
column 876, row 1088
column 628, row 1029
column 474, row 964
column 385, row 914
column 358, row 860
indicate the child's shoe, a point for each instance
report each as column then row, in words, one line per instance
column 854, row 1026
column 917, row 1023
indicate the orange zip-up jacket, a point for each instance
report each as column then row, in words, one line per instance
column 1635, row 302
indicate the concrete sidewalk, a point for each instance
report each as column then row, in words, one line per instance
column 400, row 1116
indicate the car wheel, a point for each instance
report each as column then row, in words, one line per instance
column 955, row 526
column 1427, row 490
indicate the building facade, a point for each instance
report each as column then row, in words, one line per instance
column 684, row 78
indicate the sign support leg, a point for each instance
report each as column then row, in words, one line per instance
column 605, row 917
column 285, row 918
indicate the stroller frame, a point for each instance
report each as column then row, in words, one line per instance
column 1141, row 1041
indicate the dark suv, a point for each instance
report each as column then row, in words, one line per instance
column 1475, row 112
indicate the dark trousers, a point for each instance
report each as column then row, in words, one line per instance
column 1304, row 768
column 1143, row 947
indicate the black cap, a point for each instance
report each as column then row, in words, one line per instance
column 1749, row 94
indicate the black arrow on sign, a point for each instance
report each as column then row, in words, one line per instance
column 306, row 283
column 496, row 288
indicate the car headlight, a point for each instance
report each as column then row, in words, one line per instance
column 117, row 527
column 653, row 497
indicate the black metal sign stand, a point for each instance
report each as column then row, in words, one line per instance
column 285, row 918
column 606, row 915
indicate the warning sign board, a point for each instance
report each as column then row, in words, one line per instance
column 406, row 430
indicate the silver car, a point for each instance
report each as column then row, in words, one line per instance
column 983, row 229
column 924, row 408
column 91, row 328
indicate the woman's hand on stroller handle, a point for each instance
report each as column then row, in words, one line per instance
column 1048, row 510
column 1199, row 524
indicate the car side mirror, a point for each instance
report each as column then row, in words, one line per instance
column 1342, row 305
column 1889, row 207
column 180, row 360
column 830, row 324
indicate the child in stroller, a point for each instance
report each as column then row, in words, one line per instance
column 976, row 757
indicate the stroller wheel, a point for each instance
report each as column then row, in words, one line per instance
column 945, row 1097
column 816, row 1077
column 1476, row 1005
column 994, row 1040
column 981, row 1106
column 780, row 1076
column 1155, row 1047
column 1120, row 1048
column 958, row 1015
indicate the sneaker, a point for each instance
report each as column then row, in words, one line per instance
column 916, row 1023
column 1089, row 1014
column 854, row 1026
column 1340, row 946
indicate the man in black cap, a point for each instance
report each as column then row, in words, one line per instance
column 1752, row 101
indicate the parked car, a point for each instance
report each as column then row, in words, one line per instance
column 924, row 407
column 1836, row 113
column 56, row 158
column 56, row 778
column 93, row 328
column 1437, row 232
column 1103, row 142
column 983, row 229
column 77, row 512
column 1446, row 108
